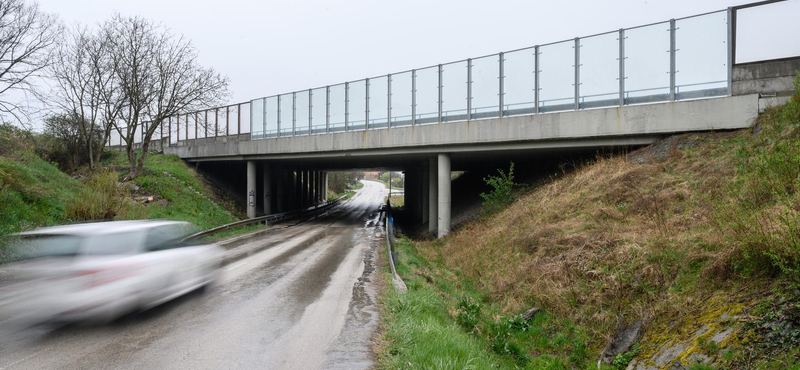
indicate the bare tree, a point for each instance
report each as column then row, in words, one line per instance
column 158, row 76
column 83, row 72
column 26, row 37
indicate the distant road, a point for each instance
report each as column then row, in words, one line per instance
column 306, row 301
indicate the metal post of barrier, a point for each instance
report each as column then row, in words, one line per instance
column 227, row 121
column 347, row 106
column 196, row 120
column 239, row 119
column 440, row 94
column 621, row 67
column 577, row 73
column 731, row 47
column 366, row 106
column 278, row 133
column 216, row 123
column 310, row 111
column 672, row 59
column 469, row 89
column 389, row 100
column 413, row 97
column 327, row 109
column 536, row 79
column 501, row 60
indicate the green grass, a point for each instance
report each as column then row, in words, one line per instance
column 441, row 325
column 33, row 192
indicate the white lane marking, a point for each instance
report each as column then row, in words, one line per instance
column 240, row 264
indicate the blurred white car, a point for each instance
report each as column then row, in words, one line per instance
column 100, row 271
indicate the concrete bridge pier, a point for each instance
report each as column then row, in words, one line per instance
column 267, row 177
column 433, row 194
column 251, row 189
column 303, row 188
column 444, row 194
column 325, row 192
column 312, row 195
column 295, row 201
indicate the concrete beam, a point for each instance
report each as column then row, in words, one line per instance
column 251, row 189
column 557, row 130
column 444, row 194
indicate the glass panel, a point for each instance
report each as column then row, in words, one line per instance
column 357, row 105
column 427, row 95
column 519, row 82
column 271, row 129
column 301, row 118
column 222, row 121
column 600, row 71
column 193, row 129
column 318, row 112
column 257, row 132
column 337, row 108
column 647, row 64
column 485, row 87
column 557, row 77
column 454, row 91
column 401, row 99
column 286, row 119
column 378, row 102
column 245, row 117
column 757, row 26
column 701, row 56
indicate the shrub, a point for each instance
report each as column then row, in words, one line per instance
column 103, row 199
column 502, row 194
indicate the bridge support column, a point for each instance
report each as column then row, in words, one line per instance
column 317, row 187
column 312, row 189
column 296, row 190
column 303, row 188
column 251, row 189
column 280, row 190
column 444, row 194
column 267, row 188
column 433, row 194
column 425, row 193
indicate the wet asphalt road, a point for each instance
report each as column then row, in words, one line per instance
column 305, row 301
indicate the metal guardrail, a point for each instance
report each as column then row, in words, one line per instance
column 269, row 219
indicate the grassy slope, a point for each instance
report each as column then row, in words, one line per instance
column 184, row 203
column 32, row 192
column 35, row 193
column 708, row 224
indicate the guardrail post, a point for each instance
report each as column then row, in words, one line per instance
column 621, row 67
column 440, row 94
column 469, row 89
column 413, row 97
column 216, row 123
column 196, row 119
column 577, row 73
column 227, row 121
column 206, row 123
column 536, row 79
column 310, row 111
column 672, row 59
column 239, row 119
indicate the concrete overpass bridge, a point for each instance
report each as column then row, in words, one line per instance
column 628, row 87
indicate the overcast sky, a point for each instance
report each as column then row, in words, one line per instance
column 271, row 47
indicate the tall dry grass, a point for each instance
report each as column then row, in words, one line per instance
column 611, row 238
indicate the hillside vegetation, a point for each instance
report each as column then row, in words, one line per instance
column 696, row 239
column 35, row 193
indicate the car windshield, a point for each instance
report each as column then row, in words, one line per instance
column 34, row 246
